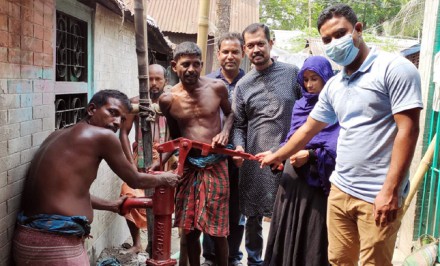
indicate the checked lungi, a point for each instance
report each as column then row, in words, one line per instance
column 202, row 199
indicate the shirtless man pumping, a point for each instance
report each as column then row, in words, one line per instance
column 192, row 109
column 57, row 208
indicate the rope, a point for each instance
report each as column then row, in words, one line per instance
column 147, row 110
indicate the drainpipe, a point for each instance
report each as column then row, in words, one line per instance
column 202, row 34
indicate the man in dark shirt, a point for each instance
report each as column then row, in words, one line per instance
column 230, row 53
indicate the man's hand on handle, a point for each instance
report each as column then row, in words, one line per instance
column 238, row 161
column 167, row 179
column 221, row 139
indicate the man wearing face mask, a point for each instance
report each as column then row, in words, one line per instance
column 137, row 218
column 376, row 99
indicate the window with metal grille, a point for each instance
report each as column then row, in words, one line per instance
column 71, row 67
column 70, row 109
column 71, row 48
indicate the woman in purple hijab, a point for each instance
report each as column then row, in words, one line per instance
column 298, row 234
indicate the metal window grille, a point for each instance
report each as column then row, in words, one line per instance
column 71, row 48
column 69, row 109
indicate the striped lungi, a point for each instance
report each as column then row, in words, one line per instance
column 202, row 199
column 40, row 248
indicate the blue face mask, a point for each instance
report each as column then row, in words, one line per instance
column 342, row 51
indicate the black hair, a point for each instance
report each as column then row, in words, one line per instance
column 187, row 48
column 230, row 36
column 100, row 98
column 254, row 27
column 339, row 10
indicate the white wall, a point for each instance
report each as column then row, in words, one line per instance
column 115, row 67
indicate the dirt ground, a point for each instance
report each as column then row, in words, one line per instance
column 136, row 259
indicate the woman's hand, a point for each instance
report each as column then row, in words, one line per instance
column 300, row 158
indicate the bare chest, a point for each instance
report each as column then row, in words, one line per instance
column 196, row 108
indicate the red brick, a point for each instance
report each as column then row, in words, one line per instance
column 37, row 45
column 48, row 60
column 14, row 10
column 27, row 14
column 38, row 5
column 38, row 32
column 8, row 70
column 38, row 17
column 4, row 7
column 48, row 9
column 4, row 38
column 3, row 21
column 14, row 25
column 3, row 54
column 14, row 40
column 27, row 57
column 48, row 20
column 38, row 59
column 26, row 43
column 47, row 47
column 48, row 34
column 28, row 4
column 14, row 56
column 27, row 29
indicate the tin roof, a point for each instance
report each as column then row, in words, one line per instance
column 181, row 16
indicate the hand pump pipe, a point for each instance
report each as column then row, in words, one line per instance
column 146, row 113
column 162, row 201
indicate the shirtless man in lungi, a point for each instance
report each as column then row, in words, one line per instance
column 192, row 109
column 57, row 208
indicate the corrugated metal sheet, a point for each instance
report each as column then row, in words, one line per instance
column 181, row 16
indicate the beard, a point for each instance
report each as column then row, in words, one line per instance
column 155, row 94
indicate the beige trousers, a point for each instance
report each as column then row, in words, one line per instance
column 353, row 235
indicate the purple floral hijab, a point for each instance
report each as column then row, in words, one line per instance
column 324, row 143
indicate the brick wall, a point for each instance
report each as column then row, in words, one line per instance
column 27, row 111
column 26, row 99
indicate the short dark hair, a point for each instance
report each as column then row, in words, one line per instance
column 187, row 48
column 254, row 27
column 230, row 36
column 101, row 98
column 338, row 10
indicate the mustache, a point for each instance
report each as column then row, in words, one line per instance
column 191, row 75
column 155, row 95
column 257, row 54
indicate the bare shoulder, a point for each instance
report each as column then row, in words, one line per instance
column 93, row 134
column 165, row 100
column 217, row 85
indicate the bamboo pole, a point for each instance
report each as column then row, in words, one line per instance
column 202, row 34
column 417, row 179
column 145, row 114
